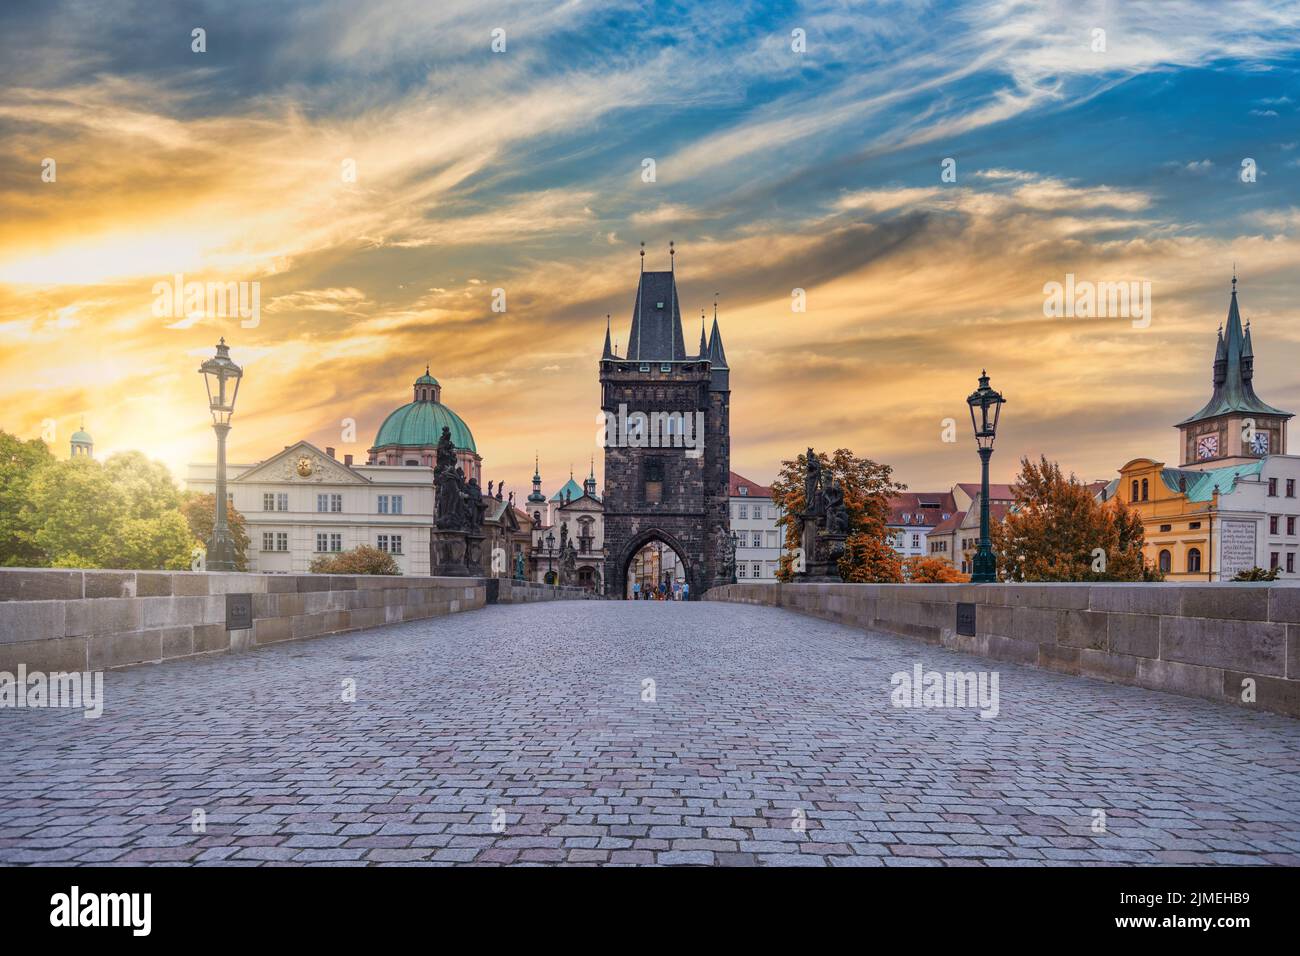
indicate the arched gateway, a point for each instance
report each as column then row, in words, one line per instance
column 634, row 564
column 667, row 441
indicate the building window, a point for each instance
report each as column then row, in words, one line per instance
column 383, row 504
column 390, row 544
column 1166, row 527
column 1144, row 489
column 1290, row 562
column 1290, row 487
column 397, row 504
column 1166, row 561
column 654, row 481
column 740, row 570
column 1193, row 560
column 1290, row 524
column 322, row 502
column 758, row 570
column 336, row 503
column 916, row 540
column 1273, row 561
column 322, row 541
column 1133, row 496
column 1272, row 524
column 1272, row 487
column 282, row 501
column 282, row 541
column 742, row 491
column 336, row 542
column 268, row 501
column 1194, row 526
column 744, row 512
column 268, row 540
column 758, row 539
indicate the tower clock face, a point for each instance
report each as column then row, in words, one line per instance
column 1259, row 444
column 1207, row 446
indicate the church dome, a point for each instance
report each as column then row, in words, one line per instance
column 419, row 424
column 80, row 437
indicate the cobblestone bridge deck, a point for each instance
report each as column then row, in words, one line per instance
column 761, row 718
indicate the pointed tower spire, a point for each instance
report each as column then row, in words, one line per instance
column 704, row 344
column 589, row 486
column 536, row 497
column 1247, row 357
column 672, row 257
column 608, row 353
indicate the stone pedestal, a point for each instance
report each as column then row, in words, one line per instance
column 823, row 563
column 447, row 552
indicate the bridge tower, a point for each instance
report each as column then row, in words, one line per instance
column 667, row 440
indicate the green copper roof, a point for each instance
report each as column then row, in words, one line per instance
column 1234, row 392
column 82, row 437
column 420, row 424
column 426, row 379
column 571, row 489
column 1200, row 484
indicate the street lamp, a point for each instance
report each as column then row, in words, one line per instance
column 550, row 550
column 222, row 377
column 985, row 407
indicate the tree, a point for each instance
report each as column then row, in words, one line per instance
column 200, row 511
column 868, row 486
column 361, row 560
column 1257, row 574
column 19, row 461
column 922, row 569
column 121, row 514
column 1058, row 531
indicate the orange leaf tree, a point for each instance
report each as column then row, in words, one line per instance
column 922, row 569
column 1058, row 531
column 868, row 486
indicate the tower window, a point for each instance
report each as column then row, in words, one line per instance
column 654, row 481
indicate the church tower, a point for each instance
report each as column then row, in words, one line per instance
column 667, row 440
column 1235, row 426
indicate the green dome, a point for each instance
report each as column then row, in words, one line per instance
column 420, row 424
column 426, row 379
column 82, row 437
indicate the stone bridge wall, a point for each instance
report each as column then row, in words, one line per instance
column 1196, row 640
column 523, row 592
column 55, row 620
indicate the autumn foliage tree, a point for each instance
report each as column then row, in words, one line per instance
column 1058, row 531
column 360, row 560
column 868, row 486
column 200, row 511
column 922, row 569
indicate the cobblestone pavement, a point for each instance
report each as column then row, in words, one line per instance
column 533, row 716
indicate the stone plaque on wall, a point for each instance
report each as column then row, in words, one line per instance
column 1236, row 548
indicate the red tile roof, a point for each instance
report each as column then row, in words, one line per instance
column 950, row 525
column 931, row 506
column 996, row 491
column 752, row 489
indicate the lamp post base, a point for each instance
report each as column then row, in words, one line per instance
column 985, row 567
column 221, row 552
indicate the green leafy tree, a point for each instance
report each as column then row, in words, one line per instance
column 147, row 487
column 868, row 486
column 200, row 511
column 164, row 542
column 1257, row 574
column 361, row 560
column 19, row 461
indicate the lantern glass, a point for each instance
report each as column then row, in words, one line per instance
column 221, row 376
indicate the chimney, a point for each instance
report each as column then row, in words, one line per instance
column 347, row 460
column 329, row 451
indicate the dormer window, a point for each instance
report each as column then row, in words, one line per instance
column 742, row 491
column 659, row 305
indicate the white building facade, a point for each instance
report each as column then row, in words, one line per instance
column 759, row 540
column 303, row 504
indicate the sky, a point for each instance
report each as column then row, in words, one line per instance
column 922, row 171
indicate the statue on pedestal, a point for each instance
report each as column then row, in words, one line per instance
column 823, row 524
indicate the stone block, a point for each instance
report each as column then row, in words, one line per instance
column 1134, row 634
column 106, row 615
column 1118, row 668
column 1057, row 657
column 176, row 611
column 59, row 654
column 367, row 617
column 1293, row 651
column 991, row 619
column 110, row 584
column 177, row 642
column 128, row 647
column 272, row 629
column 24, row 621
column 1237, row 602
column 1011, row 650
column 1271, row 693
column 313, row 582
column 1176, row 678
column 1284, row 604
column 1135, row 598
column 191, row 583
column 1040, row 625
column 1055, row 596
column 1084, row 629
column 281, row 584
column 40, row 584
column 153, row 584
column 1256, row 647
column 210, row 637
column 307, row 625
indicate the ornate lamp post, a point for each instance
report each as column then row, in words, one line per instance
column 550, row 551
column 985, row 407
column 222, row 377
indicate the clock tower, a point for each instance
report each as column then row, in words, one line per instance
column 1234, row 427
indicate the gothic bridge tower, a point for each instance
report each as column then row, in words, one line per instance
column 667, row 441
